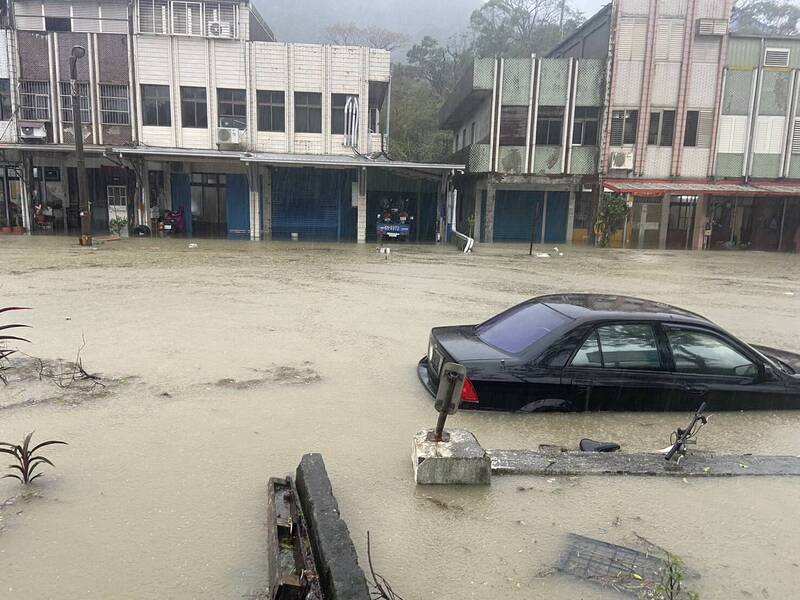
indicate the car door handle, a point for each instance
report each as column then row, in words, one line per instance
column 697, row 390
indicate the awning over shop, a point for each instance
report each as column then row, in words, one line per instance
column 342, row 160
column 700, row 188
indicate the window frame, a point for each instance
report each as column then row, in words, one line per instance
column 338, row 112
column 627, row 118
column 66, row 102
column 580, row 120
column 232, row 104
column 6, row 103
column 194, row 103
column 665, row 364
column 309, row 111
column 731, row 342
column 34, row 100
column 692, row 123
column 156, row 101
column 549, row 120
column 265, row 100
column 513, row 125
column 656, row 137
column 110, row 104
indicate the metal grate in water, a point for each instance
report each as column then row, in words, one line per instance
column 622, row 569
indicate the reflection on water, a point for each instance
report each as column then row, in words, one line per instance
column 162, row 491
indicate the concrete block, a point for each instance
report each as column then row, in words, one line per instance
column 459, row 461
column 337, row 562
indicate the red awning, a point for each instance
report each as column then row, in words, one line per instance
column 639, row 187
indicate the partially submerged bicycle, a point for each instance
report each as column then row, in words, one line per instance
column 682, row 438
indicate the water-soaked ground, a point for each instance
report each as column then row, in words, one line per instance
column 231, row 360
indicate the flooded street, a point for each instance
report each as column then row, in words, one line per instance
column 233, row 359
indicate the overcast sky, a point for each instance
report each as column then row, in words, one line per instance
column 304, row 20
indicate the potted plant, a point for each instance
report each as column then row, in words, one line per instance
column 117, row 225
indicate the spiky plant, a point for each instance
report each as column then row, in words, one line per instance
column 27, row 462
column 5, row 351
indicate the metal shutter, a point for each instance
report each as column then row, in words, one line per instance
column 704, row 126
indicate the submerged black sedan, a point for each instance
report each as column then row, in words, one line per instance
column 590, row 352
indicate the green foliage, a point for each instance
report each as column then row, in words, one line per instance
column 117, row 225
column 27, row 461
column 5, row 351
column 610, row 217
column 372, row 36
column 519, row 28
column 419, row 89
column 671, row 586
column 415, row 133
column 766, row 17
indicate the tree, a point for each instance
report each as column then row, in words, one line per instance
column 440, row 65
column 766, row 17
column 521, row 27
column 415, row 133
column 350, row 34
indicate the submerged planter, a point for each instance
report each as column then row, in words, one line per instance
column 18, row 230
column 5, row 229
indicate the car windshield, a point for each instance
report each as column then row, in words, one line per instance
column 520, row 327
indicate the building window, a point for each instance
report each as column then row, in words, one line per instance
column 156, row 109
column 513, row 126
column 698, row 128
column 271, row 111
column 194, row 107
column 232, row 108
column 114, row 104
column 34, row 100
column 221, row 19
column 154, row 16
column 307, row 112
column 66, row 102
column 624, row 125
column 57, row 24
column 584, row 130
column 187, row 18
column 5, row 100
column 338, row 112
column 549, row 125
column 374, row 120
column 662, row 128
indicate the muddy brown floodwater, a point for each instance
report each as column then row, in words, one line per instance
column 231, row 360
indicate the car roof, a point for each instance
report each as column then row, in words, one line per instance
column 596, row 307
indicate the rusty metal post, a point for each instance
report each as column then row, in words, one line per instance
column 448, row 398
column 77, row 126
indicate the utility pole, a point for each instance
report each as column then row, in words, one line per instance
column 77, row 125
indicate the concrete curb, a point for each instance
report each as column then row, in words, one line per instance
column 337, row 561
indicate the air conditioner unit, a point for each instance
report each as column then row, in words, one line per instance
column 229, row 135
column 218, row 29
column 32, row 130
column 622, row 160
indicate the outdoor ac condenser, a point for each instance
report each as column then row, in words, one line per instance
column 229, row 135
column 622, row 160
column 218, row 29
column 32, row 130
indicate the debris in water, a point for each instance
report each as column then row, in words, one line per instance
column 192, row 245
column 620, row 568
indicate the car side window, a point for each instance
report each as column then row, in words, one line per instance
column 589, row 354
column 622, row 346
column 704, row 353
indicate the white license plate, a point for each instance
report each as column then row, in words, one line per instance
column 393, row 235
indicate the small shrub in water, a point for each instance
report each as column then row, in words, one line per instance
column 27, row 462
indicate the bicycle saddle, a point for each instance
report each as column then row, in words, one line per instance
column 588, row 445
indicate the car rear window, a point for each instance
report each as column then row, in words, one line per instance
column 520, row 327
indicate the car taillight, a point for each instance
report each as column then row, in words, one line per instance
column 468, row 393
